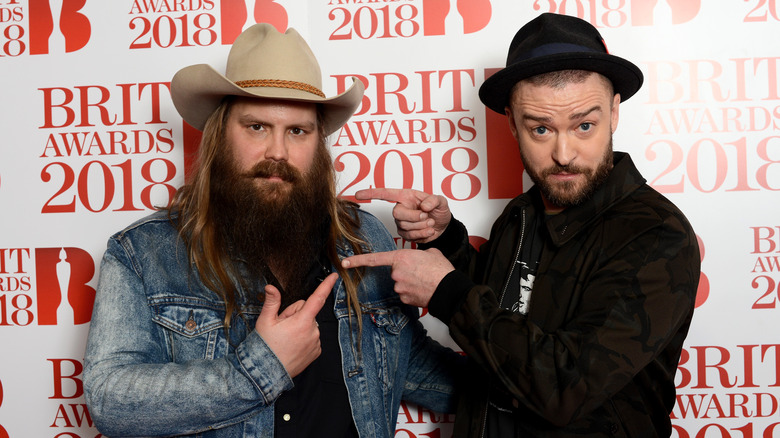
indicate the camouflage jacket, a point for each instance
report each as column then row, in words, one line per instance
column 611, row 306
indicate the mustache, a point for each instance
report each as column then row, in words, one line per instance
column 278, row 169
column 568, row 169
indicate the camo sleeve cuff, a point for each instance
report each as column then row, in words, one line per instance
column 450, row 240
column 449, row 295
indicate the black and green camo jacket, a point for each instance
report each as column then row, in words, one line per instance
column 613, row 300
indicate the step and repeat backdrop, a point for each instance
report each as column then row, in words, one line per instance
column 90, row 141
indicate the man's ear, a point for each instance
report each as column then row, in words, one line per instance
column 511, row 120
column 615, row 112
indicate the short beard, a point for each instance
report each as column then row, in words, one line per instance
column 280, row 228
column 565, row 194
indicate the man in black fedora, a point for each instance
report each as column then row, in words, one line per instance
column 615, row 264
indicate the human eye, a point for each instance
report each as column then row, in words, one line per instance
column 297, row 131
column 539, row 130
column 256, row 126
column 586, row 126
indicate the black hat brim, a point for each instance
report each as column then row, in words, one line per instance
column 626, row 77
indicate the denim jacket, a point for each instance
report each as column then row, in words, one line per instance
column 158, row 361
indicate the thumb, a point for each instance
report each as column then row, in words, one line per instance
column 434, row 204
column 273, row 300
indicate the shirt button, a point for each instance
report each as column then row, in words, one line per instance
column 286, row 417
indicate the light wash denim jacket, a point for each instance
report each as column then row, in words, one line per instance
column 158, row 362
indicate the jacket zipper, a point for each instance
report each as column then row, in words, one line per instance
column 514, row 262
column 501, row 302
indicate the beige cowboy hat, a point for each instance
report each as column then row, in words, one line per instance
column 262, row 63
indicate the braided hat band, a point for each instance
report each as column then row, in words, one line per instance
column 279, row 83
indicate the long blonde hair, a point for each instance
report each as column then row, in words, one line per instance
column 205, row 246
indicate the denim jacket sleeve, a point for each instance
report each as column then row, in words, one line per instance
column 433, row 373
column 132, row 384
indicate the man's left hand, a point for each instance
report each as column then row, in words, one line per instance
column 416, row 273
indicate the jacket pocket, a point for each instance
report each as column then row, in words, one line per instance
column 193, row 328
column 391, row 319
column 388, row 324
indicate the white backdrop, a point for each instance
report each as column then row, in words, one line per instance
column 90, row 141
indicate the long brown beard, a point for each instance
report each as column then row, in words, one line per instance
column 565, row 194
column 280, row 227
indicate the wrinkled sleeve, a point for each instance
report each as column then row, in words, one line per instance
column 132, row 389
column 434, row 371
column 452, row 291
column 637, row 300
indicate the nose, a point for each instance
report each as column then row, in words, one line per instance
column 276, row 148
column 564, row 151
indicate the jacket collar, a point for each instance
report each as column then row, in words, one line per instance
column 621, row 182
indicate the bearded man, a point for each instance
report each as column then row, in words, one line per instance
column 187, row 337
column 593, row 350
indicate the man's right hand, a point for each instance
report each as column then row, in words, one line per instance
column 293, row 336
column 419, row 216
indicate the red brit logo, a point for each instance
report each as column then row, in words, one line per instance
column 64, row 297
column 58, row 23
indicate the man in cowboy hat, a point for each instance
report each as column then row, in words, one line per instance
column 615, row 264
column 187, row 338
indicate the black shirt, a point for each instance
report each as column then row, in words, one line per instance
column 318, row 404
column 502, row 408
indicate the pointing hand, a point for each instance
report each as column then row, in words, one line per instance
column 293, row 336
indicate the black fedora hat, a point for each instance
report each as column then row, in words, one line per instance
column 553, row 42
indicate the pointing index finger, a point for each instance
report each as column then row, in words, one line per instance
column 402, row 196
column 317, row 299
column 372, row 259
